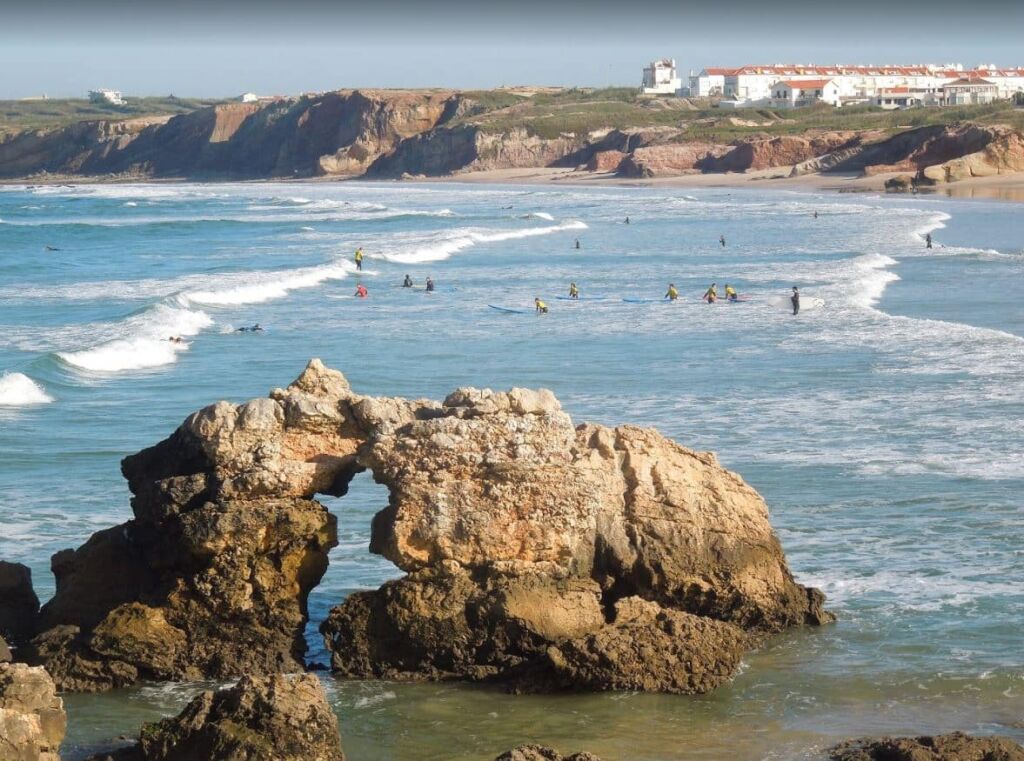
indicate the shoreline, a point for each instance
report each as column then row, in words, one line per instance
column 1004, row 187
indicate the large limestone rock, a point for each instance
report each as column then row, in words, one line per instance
column 32, row 717
column 19, row 606
column 951, row 747
column 278, row 718
column 535, row 550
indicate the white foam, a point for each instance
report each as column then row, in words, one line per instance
column 457, row 240
column 541, row 215
column 144, row 344
column 266, row 286
column 18, row 390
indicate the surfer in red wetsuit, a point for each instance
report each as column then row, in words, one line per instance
column 361, row 291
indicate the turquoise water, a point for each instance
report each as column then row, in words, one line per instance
column 883, row 424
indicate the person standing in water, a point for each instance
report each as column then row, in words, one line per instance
column 361, row 291
column 407, row 283
column 430, row 285
column 577, row 244
column 539, row 306
column 672, row 294
column 574, row 292
column 711, row 294
column 795, row 300
column 815, row 215
column 359, row 258
column 721, row 239
column 627, row 220
column 927, row 240
column 730, row 293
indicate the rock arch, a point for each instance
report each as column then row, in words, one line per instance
column 536, row 552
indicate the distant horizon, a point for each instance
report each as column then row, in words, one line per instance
column 64, row 49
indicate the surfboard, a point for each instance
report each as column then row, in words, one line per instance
column 507, row 310
column 581, row 298
column 641, row 301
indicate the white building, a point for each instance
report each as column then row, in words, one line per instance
column 248, row 97
column 660, row 78
column 897, row 98
column 108, row 97
column 969, row 91
column 753, row 85
column 709, row 82
column 804, row 92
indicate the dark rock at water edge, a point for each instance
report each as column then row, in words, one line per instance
column 19, row 606
column 542, row 753
column 277, row 718
column 952, row 747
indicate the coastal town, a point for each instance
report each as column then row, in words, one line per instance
column 797, row 85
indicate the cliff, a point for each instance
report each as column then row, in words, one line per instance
column 392, row 134
column 538, row 553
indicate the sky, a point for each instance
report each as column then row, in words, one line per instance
column 219, row 49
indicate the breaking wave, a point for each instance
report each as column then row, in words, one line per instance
column 452, row 242
column 259, row 287
column 18, row 390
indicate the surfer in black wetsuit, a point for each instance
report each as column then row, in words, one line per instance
column 927, row 240
column 430, row 285
column 795, row 300
column 577, row 243
column 721, row 239
column 52, row 248
column 407, row 283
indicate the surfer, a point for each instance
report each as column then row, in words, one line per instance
column 815, row 215
column 730, row 293
column 627, row 220
column 254, row 329
column 574, row 292
column 577, row 243
column 407, row 283
column 539, row 306
column 795, row 300
column 672, row 294
column 359, row 258
column 927, row 240
column 176, row 340
column 361, row 291
column 54, row 248
column 721, row 239
column 711, row 294
column 430, row 285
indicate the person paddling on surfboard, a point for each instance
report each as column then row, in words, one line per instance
column 711, row 294
column 795, row 300
column 730, row 293
column 672, row 294
column 539, row 306
column 574, row 292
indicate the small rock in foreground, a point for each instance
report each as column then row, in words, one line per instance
column 32, row 717
column 541, row 753
column 952, row 747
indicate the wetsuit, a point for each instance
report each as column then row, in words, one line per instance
column 795, row 300
column 928, row 240
column 359, row 258
column 407, row 283
column 430, row 285
column 574, row 292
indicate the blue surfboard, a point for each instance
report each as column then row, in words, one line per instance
column 507, row 310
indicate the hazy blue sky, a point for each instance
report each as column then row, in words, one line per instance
column 217, row 49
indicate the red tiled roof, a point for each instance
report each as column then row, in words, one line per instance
column 720, row 71
column 806, row 84
column 971, row 81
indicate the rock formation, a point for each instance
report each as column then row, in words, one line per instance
column 951, row 747
column 5, row 652
column 32, row 717
column 279, row 718
column 542, row 753
column 538, row 553
column 19, row 606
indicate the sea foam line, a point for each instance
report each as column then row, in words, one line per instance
column 267, row 285
column 460, row 240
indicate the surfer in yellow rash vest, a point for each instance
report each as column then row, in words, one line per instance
column 540, row 306
column 672, row 294
column 711, row 294
column 359, row 258
column 574, row 292
column 730, row 293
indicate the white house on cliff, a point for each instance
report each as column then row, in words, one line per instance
column 661, row 78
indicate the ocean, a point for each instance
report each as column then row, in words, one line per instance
column 883, row 424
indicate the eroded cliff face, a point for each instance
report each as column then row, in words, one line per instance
column 538, row 553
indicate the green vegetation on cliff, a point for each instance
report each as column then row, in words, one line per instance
column 17, row 115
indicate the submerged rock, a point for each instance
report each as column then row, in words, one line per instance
column 542, row 753
column 536, row 551
column 278, row 718
column 32, row 717
column 952, row 747
column 19, row 606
